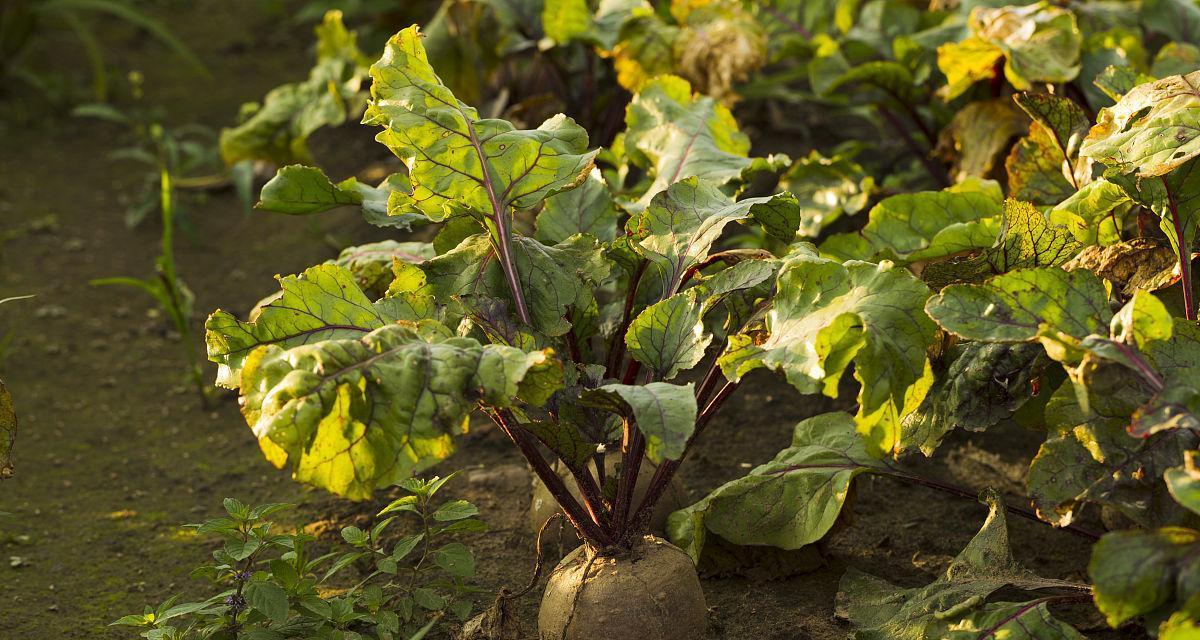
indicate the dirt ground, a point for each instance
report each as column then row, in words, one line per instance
column 114, row 453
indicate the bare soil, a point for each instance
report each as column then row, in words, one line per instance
column 115, row 452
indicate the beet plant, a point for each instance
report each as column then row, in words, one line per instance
column 571, row 340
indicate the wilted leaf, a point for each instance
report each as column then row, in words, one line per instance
column 718, row 48
column 955, row 602
column 1039, row 43
column 1139, row 264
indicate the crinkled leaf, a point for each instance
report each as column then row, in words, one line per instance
column 1153, row 129
column 955, row 601
column 1035, row 169
column 353, row 415
column 665, row 413
column 827, row 314
column 323, row 303
column 789, row 502
column 681, row 224
column 553, row 278
column 1064, row 121
column 1022, row 305
column 588, row 208
column 1028, row 239
column 674, row 134
column 981, row 384
column 456, row 160
column 721, row 44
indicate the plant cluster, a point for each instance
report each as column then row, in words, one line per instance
column 1016, row 246
column 374, row 585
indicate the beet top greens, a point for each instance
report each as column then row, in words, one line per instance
column 589, row 301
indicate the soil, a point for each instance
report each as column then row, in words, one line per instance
column 115, row 452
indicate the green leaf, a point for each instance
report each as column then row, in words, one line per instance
column 1175, row 197
column 827, row 315
column 933, row 224
column 1082, row 211
column 553, row 278
column 893, row 79
column 789, row 502
column 665, row 413
column 1177, row 19
column 455, row 510
column 1176, row 58
column 323, row 303
column 456, row 559
column 681, row 224
column 1035, row 169
column 644, row 50
column 827, row 189
column 955, row 601
column 675, row 134
column 8, row 431
column 1151, row 130
column 588, row 208
column 1023, row 305
column 267, row 598
column 1028, row 239
column 1138, row 572
column 669, row 336
column 302, row 190
column 455, row 159
column 354, row 415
